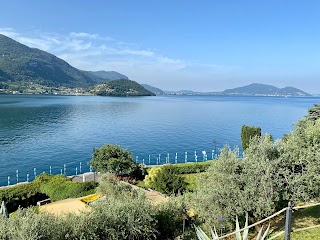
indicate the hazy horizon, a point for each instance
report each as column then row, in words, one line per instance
column 206, row 46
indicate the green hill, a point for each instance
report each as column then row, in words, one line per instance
column 122, row 87
column 20, row 63
column 257, row 89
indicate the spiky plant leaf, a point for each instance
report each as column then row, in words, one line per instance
column 246, row 231
column 3, row 210
column 266, row 233
column 259, row 234
column 214, row 233
column 238, row 235
column 200, row 234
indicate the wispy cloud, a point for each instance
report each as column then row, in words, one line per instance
column 91, row 51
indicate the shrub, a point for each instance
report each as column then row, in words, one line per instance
column 186, row 168
column 59, row 187
column 166, row 179
column 131, row 218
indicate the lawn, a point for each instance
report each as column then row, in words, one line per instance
column 301, row 218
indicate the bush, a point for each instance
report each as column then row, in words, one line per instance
column 192, row 167
column 170, row 216
column 186, row 168
column 166, row 179
column 131, row 218
column 59, row 187
column 110, row 186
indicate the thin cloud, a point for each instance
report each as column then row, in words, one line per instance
column 89, row 51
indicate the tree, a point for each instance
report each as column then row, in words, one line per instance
column 300, row 162
column 165, row 179
column 314, row 112
column 234, row 186
column 247, row 133
column 112, row 158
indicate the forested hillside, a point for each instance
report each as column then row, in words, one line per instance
column 122, row 87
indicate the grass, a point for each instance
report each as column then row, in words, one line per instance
column 140, row 183
column 301, row 218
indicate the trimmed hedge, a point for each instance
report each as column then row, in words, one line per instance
column 55, row 187
column 60, row 187
column 192, row 167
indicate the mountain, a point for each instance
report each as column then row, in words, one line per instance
column 20, row 63
column 122, row 87
column 257, row 89
column 107, row 75
column 155, row 90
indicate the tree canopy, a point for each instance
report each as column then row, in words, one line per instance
column 271, row 174
column 112, row 158
column 248, row 132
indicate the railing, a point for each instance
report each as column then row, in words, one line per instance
column 75, row 167
column 287, row 231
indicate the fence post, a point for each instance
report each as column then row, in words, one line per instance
column 288, row 222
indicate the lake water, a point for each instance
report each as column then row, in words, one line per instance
column 38, row 131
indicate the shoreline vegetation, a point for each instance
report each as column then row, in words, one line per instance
column 214, row 193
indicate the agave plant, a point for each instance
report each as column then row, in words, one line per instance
column 3, row 210
column 214, row 236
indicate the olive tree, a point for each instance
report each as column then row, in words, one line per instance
column 234, row 186
column 300, row 162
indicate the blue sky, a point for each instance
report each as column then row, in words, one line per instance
column 199, row 45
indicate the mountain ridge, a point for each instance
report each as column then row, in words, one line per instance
column 258, row 89
column 22, row 64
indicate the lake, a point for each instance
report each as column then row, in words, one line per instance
column 39, row 131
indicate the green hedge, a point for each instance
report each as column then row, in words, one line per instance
column 56, row 187
column 60, row 187
column 19, row 192
column 192, row 167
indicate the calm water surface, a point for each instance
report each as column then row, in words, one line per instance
column 39, row 131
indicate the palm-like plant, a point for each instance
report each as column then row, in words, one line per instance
column 214, row 236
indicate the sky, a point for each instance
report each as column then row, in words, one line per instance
column 200, row 45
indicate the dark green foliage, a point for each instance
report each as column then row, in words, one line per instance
column 247, row 133
column 121, row 87
column 314, row 112
column 112, row 158
column 138, row 172
column 169, row 181
column 19, row 192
